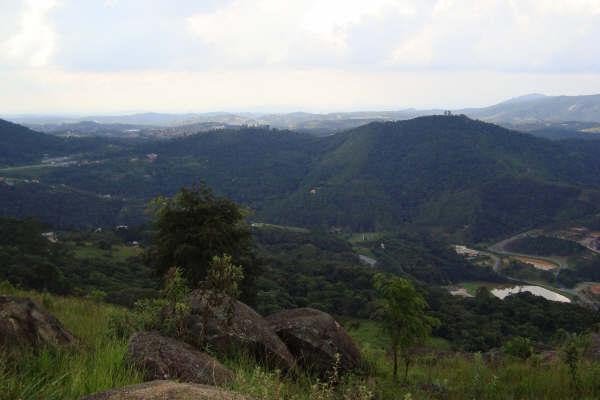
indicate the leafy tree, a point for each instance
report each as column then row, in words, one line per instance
column 193, row 227
column 223, row 276
column 169, row 312
column 403, row 317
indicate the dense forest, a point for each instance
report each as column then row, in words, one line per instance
column 444, row 174
column 545, row 246
column 295, row 269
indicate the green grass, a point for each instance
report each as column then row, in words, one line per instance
column 473, row 286
column 262, row 225
column 362, row 237
column 117, row 253
column 25, row 171
column 97, row 363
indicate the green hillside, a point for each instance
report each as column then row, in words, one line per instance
column 444, row 174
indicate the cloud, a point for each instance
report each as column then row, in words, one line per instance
column 275, row 32
column 523, row 35
column 322, row 54
column 34, row 42
column 111, row 3
column 283, row 89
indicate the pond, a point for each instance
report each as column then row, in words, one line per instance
column 536, row 290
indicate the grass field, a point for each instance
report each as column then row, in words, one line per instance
column 97, row 363
column 362, row 237
column 117, row 253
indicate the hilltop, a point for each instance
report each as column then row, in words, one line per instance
column 452, row 174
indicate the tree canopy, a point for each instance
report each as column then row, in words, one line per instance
column 194, row 226
column 403, row 316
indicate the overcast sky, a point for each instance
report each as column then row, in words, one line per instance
column 80, row 56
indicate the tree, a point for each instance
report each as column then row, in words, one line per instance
column 194, row 226
column 224, row 277
column 403, row 316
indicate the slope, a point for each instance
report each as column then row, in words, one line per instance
column 449, row 172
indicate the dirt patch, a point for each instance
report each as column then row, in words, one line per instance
column 595, row 290
column 537, row 263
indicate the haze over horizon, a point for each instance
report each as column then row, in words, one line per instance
column 122, row 56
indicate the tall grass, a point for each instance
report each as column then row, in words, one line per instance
column 97, row 363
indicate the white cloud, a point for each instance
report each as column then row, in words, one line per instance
column 319, row 89
column 273, row 31
column 525, row 35
column 111, row 3
column 321, row 54
column 34, row 42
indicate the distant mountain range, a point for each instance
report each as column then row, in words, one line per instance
column 542, row 115
column 445, row 174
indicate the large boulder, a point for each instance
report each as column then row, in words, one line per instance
column 229, row 325
column 24, row 323
column 167, row 390
column 161, row 357
column 316, row 339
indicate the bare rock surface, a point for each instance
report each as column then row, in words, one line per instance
column 24, row 323
column 230, row 325
column 167, row 390
column 315, row 338
column 161, row 357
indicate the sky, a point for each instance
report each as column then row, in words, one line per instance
column 118, row 56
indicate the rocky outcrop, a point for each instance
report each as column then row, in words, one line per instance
column 315, row 338
column 226, row 324
column 24, row 323
column 160, row 357
column 167, row 390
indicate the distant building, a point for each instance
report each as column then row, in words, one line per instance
column 465, row 251
column 50, row 236
column 367, row 260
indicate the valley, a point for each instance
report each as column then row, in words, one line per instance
column 490, row 224
column 299, row 200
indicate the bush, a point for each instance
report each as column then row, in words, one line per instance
column 519, row 347
column 168, row 313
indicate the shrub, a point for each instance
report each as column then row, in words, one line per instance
column 519, row 347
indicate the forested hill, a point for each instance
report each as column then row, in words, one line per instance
column 21, row 145
column 442, row 173
column 450, row 172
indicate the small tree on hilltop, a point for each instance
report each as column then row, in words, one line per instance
column 220, row 290
column 403, row 317
column 194, row 226
column 223, row 276
column 169, row 312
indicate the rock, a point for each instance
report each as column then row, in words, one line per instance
column 315, row 338
column 24, row 323
column 167, row 390
column 549, row 357
column 228, row 326
column 160, row 357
